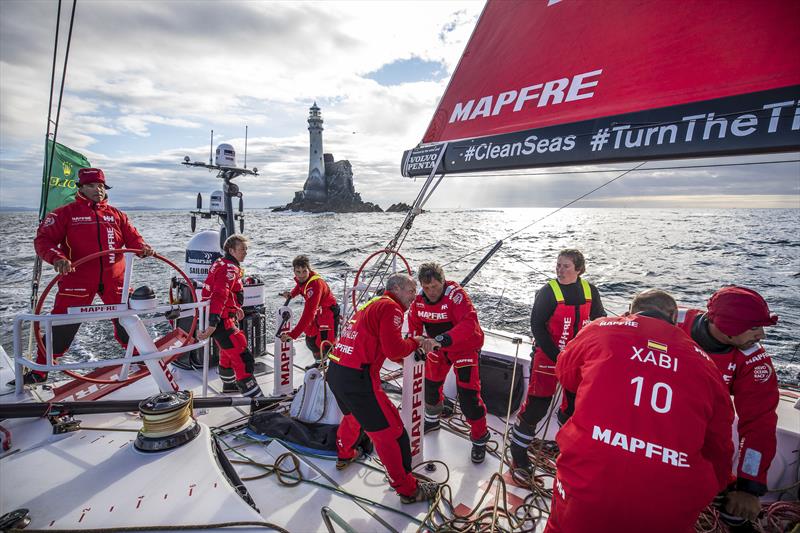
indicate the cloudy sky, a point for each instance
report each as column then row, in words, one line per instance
column 148, row 80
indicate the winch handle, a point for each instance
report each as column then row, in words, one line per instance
column 284, row 317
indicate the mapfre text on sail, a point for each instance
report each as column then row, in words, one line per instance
column 544, row 94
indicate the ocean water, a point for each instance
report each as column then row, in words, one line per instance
column 689, row 253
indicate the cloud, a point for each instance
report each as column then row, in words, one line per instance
column 147, row 81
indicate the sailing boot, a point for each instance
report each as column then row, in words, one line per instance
column 426, row 490
column 34, row 377
column 363, row 448
column 520, row 441
column 228, row 380
column 478, row 453
column 432, row 414
column 249, row 387
column 448, row 407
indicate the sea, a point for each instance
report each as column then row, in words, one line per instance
column 689, row 253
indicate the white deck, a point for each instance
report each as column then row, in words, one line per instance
column 95, row 478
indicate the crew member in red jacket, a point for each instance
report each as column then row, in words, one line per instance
column 730, row 332
column 372, row 336
column 649, row 442
column 444, row 312
column 561, row 308
column 73, row 231
column 224, row 288
column 320, row 317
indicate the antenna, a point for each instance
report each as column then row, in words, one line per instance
column 245, row 146
column 211, row 149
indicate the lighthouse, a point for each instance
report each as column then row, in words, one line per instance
column 314, row 188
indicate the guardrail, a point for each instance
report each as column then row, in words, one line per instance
column 48, row 321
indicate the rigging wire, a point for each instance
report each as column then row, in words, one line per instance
column 47, row 171
column 551, row 213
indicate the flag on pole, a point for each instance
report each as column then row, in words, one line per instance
column 61, row 183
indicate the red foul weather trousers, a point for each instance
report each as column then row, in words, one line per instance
column 233, row 351
column 468, row 384
column 366, row 407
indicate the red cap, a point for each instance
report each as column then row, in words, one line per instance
column 734, row 310
column 91, row 175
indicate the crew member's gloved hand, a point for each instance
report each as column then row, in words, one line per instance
column 146, row 251
column 284, row 294
column 420, row 355
column 63, row 266
column 743, row 504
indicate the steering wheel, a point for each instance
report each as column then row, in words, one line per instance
column 144, row 371
column 388, row 253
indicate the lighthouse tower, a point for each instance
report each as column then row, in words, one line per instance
column 314, row 187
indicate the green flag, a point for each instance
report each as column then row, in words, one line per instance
column 61, row 185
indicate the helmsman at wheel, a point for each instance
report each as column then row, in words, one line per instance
column 224, row 288
column 443, row 311
column 73, row 231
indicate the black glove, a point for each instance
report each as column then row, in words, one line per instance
column 420, row 355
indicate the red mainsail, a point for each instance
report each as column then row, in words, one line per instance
column 557, row 82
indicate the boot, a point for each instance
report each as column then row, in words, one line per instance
column 426, row 490
column 228, row 380
column 478, row 453
column 249, row 387
column 34, row 377
column 519, row 457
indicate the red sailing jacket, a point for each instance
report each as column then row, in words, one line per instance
column 567, row 320
column 751, row 380
column 318, row 299
column 373, row 335
column 652, row 421
column 81, row 228
column 224, row 287
column 453, row 314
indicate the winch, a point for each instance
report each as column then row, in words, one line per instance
column 168, row 422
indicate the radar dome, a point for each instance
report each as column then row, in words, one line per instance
column 203, row 249
column 226, row 156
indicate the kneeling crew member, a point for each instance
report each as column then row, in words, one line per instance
column 443, row 311
column 224, row 287
column 372, row 336
column 649, row 442
column 320, row 317
column 730, row 333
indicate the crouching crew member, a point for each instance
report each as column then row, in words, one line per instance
column 561, row 308
column 224, row 288
column 444, row 312
column 372, row 336
column 649, row 442
column 730, row 332
column 320, row 318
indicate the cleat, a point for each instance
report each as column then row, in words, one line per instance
column 478, row 453
column 426, row 490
